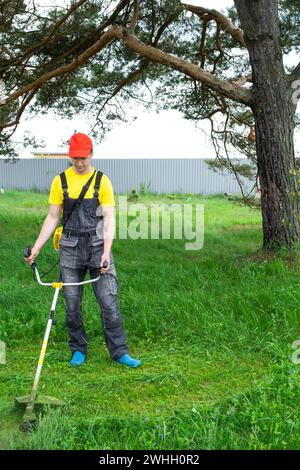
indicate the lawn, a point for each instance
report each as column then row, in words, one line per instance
column 214, row 329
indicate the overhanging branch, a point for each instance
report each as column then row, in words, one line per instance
column 73, row 65
column 53, row 31
column 222, row 20
column 21, row 110
column 227, row 89
column 92, row 37
column 131, row 77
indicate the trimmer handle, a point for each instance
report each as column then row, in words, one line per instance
column 27, row 253
column 104, row 265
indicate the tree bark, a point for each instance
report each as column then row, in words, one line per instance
column 274, row 114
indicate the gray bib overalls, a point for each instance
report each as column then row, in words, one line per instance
column 81, row 248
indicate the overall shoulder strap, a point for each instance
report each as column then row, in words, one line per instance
column 64, row 184
column 97, row 183
column 81, row 197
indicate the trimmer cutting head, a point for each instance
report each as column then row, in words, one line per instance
column 30, row 416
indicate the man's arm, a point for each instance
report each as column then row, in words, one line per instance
column 47, row 229
column 109, row 229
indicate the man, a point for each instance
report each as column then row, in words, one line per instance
column 82, row 249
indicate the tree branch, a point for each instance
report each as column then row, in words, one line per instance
column 106, row 23
column 83, row 58
column 73, row 65
column 242, row 80
column 55, row 28
column 132, row 76
column 164, row 26
column 227, row 89
column 134, row 16
column 219, row 47
column 20, row 111
column 295, row 75
column 202, row 43
column 126, row 81
column 222, row 20
column 150, row 53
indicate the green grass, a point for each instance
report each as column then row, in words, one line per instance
column 213, row 328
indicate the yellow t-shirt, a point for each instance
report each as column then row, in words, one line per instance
column 75, row 184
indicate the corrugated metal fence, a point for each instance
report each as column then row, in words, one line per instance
column 156, row 175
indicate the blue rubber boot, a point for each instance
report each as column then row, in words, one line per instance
column 128, row 361
column 78, row 359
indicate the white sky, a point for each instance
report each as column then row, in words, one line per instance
column 152, row 135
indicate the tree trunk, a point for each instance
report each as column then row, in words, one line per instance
column 274, row 113
column 274, row 122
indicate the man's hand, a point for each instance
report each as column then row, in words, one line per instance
column 105, row 257
column 34, row 253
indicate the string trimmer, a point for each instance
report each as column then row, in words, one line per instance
column 35, row 401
